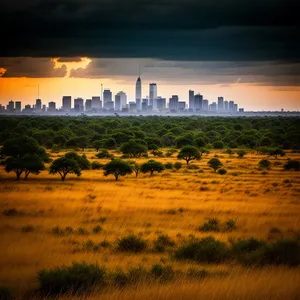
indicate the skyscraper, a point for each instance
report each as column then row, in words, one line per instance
column 107, row 98
column 191, row 100
column 88, row 104
column 152, row 93
column 198, row 99
column 231, row 103
column 78, row 105
column 51, row 106
column 120, row 101
column 173, row 103
column 96, row 103
column 220, row 104
column 38, row 105
column 18, row 106
column 66, row 103
column 138, row 93
column 11, row 106
column 226, row 107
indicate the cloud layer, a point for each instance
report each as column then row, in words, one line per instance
column 212, row 30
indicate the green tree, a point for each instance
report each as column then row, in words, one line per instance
column 152, row 166
column 218, row 145
column 104, row 154
column 276, row 151
column 189, row 153
column 136, row 168
column 80, row 142
column 177, row 165
column 133, row 149
column 64, row 166
column 215, row 163
column 97, row 144
column 117, row 167
column 23, row 155
column 82, row 161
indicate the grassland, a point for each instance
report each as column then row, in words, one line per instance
column 175, row 203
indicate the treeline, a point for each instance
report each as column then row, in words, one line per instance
column 154, row 132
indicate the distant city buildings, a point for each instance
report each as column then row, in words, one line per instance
column 151, row 104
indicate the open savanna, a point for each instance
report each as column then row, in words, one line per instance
column 173, row 202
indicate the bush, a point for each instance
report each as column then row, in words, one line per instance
column 79, row 277
column 247, row 245
column 104, row 154
column 5, row 293
column 192, row 167
column 264, row 164
column 230, row 225
column 218, row 145
column 97, row 229
column 162, row 242
column 163, row 273
column 12, row 212
column 203, row 250
column 292, row 165
column 168, row 165
column 177, row 165
column 96, row 165
column 222, row 171
column 283, row 252
column 212, row 224
column 131, row 243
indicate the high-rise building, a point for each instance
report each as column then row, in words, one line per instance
column 96, row 103
column 51, row 106
column 181, row 105
column 78, row 105
column 88, row 104
column 213, row 107
column 138, row 93
column 145, row 105
column 67, row 103
column 198, row 99
column 152, row 93
column 173, row 103
column 38, row 105
column 11, row 106
column 205, row 105
column 107, row 97
column 235, row 108
column 160, row 103
column 231, row 103
column 220, row 104
column 191, row 100
column 226, row 106
column 120, row 101
column 18, row 106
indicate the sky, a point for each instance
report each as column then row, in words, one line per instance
column 247, row 51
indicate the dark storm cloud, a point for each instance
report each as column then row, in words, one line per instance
column 31, row 67
column 166, row 29
column 198, row 72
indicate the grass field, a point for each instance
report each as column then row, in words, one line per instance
column 265, row 204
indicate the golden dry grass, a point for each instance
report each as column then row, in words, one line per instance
column 257, row 201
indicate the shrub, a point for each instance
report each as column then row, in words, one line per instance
column 163, row 273
column 157, row 153
column 215, row 163
column 79, row 277
column 96, row 165
column 104, row 154
column 222, row 171
column 230, row 225
column 218, row 145
column 162, row 242
column 131, row 243
column 192, row 167
column 264, row 164
column 283, row 252
column 82, row 231
column 104, row 244
column 247, row 245
column 57, row 230
column 177, row 165
column 97, row 229
column 292, row 165
column 212, row 224
column 11, row 212
column 5, row 293
column 69, row 229
column 203, row 250
column 168, row 165
column 120, row 278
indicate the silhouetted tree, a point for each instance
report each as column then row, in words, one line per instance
column 241, row 153
column 189, row 153
column 264, row 164
column 215, row 163
column 97, row 145
column 64, row 166
column 117, row 167
column 152, row 166
column 133, row 149
column 292, row 165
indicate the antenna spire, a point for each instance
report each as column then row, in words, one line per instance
column 38, row 91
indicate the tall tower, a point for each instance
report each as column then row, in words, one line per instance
column 152, row 93
column 138, row 92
